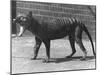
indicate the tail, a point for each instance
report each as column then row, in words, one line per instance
column 87, row 32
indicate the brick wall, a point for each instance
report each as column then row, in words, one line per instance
column 51, row 10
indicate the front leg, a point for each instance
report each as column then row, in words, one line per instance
column 47, row 45
column 36, row 47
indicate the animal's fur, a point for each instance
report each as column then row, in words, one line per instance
column 55, row 29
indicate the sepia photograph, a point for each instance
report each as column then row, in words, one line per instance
column 52, row 37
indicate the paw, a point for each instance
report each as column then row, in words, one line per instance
column 68, row 56
column 82, row 59
column 34, row 58
column 46, row 61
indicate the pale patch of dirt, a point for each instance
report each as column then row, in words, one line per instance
column 22, row 51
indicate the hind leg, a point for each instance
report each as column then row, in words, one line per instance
column 79, row 42
column 78, row 38
column 72, row 43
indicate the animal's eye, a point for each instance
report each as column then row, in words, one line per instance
column 14, row 20
column 21, row 18
column 24, row 19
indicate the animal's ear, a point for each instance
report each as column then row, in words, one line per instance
column 30, row 13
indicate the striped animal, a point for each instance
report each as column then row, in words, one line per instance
column 45, row 31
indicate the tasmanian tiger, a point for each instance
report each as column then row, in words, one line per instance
column 46, row 31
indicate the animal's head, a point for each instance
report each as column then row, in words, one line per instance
column 23, row 21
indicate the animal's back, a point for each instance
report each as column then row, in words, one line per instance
column 57, row 28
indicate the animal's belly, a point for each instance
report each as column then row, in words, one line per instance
column 55, row 35
column 54, row 30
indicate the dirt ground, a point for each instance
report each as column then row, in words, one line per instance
column 22, row 52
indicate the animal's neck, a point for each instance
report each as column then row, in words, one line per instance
column 33, row 25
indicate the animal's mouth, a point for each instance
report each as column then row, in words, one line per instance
column 21, row 31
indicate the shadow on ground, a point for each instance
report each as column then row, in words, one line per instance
column 60, row 60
